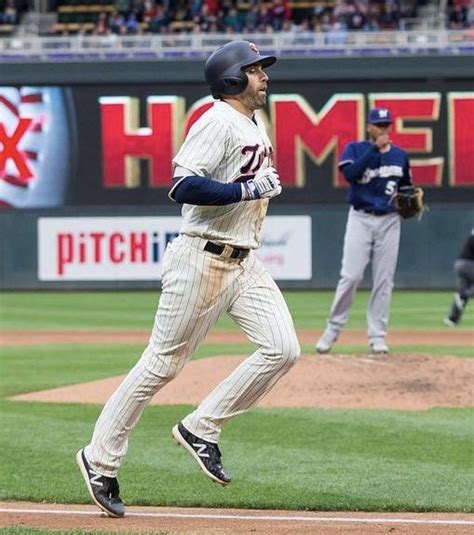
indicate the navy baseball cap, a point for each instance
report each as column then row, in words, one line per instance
column 379, row 115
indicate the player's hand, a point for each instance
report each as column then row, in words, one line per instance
column 382, row 141
column 265, row 185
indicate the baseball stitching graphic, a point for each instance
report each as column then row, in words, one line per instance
column 36, row 146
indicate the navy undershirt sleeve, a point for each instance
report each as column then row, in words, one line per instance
column 205, row 192
column 354, row 171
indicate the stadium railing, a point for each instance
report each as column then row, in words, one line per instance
column 197, row 46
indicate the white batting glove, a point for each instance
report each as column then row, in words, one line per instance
column 265, row 185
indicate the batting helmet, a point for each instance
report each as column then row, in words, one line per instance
column 224, row 67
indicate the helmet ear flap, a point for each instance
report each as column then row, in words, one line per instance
column 229, row 85
column 236, row 83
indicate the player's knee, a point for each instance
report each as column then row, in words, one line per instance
column 163, row 368
column 290, row 351
column 352, row 279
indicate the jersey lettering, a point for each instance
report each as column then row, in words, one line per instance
column 253, row 153
column 257, row 155
column 383, row 172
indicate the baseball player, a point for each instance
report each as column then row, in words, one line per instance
column 464, row 269
column 376, row 170
column 224, row 177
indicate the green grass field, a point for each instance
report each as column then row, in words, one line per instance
column 373, row 460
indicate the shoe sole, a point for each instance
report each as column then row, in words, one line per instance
column 180, row 441
column 323, row 351
column 449, row 323
column 378, row 354
column 85, row 475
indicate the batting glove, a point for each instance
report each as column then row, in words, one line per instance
column 265, row 185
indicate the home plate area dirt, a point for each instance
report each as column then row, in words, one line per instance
column 404, row 381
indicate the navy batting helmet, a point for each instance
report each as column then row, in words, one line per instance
column 224, row 67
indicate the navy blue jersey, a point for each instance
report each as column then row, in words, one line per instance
column 374, row 176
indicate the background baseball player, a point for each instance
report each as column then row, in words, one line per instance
column 224, row 177
column 464, row 270
column 376, row 170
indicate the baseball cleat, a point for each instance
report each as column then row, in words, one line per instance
column 206, row 454
column 379, row 348
column 326, row 341
column 323, row 346
column 449, row 322
column 103, row 490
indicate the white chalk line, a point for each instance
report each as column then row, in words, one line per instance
column 201, row 516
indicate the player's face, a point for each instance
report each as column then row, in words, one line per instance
column 375, row 130
column 254, row 96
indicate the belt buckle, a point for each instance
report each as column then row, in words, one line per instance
column 227, row 251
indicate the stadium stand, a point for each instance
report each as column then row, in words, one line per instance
column 298, row 17
column 175, row 29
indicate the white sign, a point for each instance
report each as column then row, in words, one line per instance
column 286, row 247
column 132, row 248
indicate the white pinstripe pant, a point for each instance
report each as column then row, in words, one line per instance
column 197, row 288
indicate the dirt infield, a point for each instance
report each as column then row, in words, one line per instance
column 406, row 381
column 231, row 521
column 401, row 381
column 444, row 337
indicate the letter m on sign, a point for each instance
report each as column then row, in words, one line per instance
column 300, row 131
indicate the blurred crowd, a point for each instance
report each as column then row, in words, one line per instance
column 11, row 11
column 333, row 17
column 234, row 16
column 460, row 14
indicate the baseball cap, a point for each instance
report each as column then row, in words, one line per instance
column 379, row 115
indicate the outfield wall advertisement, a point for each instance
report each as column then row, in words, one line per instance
column 132, row 248
column 91, row 145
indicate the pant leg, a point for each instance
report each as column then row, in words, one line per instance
column 384, row 263
column 356, row 255
column 260, row 309
column 464, row 270
column 194, row 293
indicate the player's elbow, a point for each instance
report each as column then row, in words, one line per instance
column 350, row 175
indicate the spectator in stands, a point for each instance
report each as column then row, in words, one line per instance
column 212, row 6
column 252, row 18
column 160, row 22
column 117, row 23
column 265, row 18
column 232, row 20
column 337, row 35
column 458, row 17
column 231, row 16
column 357, row 20
column 123, row 6
column 10, row 13
column 102, row 26
column 470, row 16
column 132, row 25
column 279, row 13
column 390, row 15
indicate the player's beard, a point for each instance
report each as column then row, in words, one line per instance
column 253, row 99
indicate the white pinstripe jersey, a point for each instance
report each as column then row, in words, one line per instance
column 225, row 145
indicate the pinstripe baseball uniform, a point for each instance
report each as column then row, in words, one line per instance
column 201, row 281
